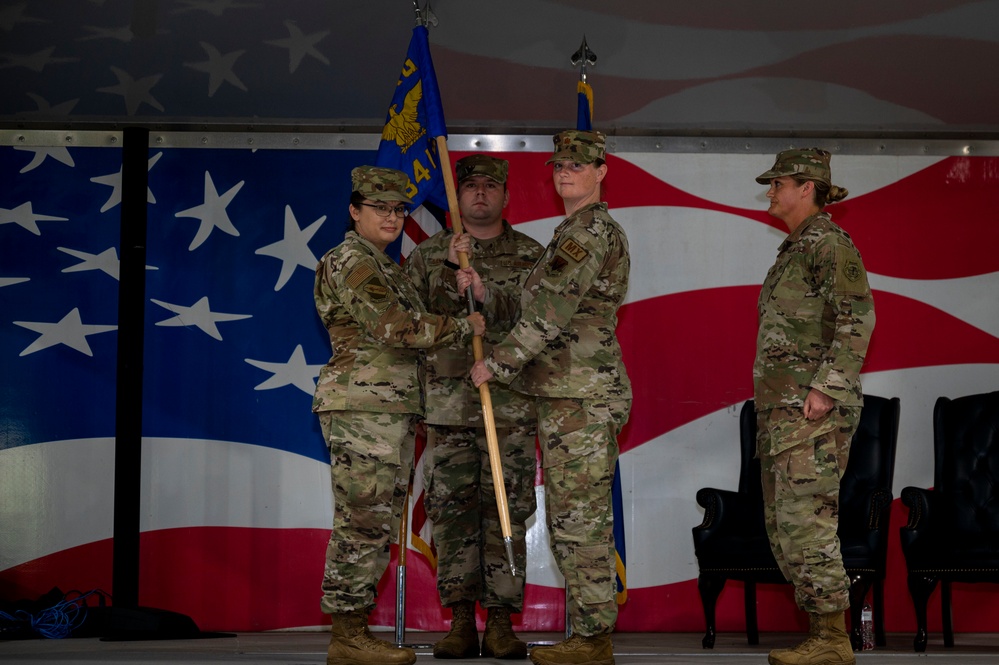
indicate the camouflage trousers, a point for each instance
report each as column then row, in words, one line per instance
column 460, row 499
column 802, row 463
column 579, row 450
column 371, row 456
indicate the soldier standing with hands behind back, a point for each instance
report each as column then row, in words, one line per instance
column 816, row 315
column 460, row 497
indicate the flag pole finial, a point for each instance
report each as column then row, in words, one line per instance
column 582, row 58
column 424, row 16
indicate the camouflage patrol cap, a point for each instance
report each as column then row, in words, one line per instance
column 810, row 163
column 491, row 167
column 380, row 184
column 576, row 145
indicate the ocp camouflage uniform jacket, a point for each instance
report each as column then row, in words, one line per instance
column 450, row 397
column 377, row 323
column 816, row 315
column 564, row 342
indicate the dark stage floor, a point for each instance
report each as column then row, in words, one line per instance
column 300, row 648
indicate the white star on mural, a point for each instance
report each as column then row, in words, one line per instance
column 113, row 180
column 212, row 212
column 300, row 45
column 58, row 153
column 44, row 108
column 218, row 67
column 134, row 92
column 199, row 314
column 295, row 372
column 106, row 261
column 10, row 281
column 70, row 331
column 122, row 34
column 11, row 16
column 294, row 249
column 34, row 61
column 25, row 217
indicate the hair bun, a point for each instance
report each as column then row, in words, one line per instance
column 837, row 193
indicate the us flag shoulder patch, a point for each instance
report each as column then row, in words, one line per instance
column 359, row 275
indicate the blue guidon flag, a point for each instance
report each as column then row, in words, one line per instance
column 415, row 119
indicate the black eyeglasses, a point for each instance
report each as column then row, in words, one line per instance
column 383, row 210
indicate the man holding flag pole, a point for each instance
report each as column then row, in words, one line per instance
column 459, row 488
column 414, row 141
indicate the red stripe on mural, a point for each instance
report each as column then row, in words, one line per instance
column 939, row 223
column 910, row 333
column 688, row 355
column 242, row 579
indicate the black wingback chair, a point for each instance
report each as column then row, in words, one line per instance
column 731, row 543
column 953, row 529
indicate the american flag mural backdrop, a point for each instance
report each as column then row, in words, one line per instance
column 236, row 505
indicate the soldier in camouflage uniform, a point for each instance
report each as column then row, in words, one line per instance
column 816, row 316
column 564, row 350
column 460, row 497
column 368, row 400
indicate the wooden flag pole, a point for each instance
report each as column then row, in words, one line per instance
column 487, row 403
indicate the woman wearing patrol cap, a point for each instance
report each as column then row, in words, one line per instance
column 563, row 349
column 816, row 316
column 368, row 400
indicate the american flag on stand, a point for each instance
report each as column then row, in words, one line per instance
column 415, row 118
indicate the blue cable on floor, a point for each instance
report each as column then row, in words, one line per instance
column 55, row 622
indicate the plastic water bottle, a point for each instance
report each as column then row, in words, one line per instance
column 867, row 626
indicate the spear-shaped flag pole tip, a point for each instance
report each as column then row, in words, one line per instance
column 425, row 16
column 582, row 58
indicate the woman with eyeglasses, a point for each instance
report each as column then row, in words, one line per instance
column 564, row 351
column 368, row 402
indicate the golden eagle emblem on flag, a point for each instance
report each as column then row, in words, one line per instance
column 404, row 127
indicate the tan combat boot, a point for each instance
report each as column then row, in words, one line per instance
column 577, row 650
column 499, row 640
column 351, row 643
column 463, row 639
column 828, row 644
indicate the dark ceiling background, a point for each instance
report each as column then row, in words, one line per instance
column 855, row 67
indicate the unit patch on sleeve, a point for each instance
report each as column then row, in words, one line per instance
column 851, row 278
column 377, row 292
column 574, row 249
